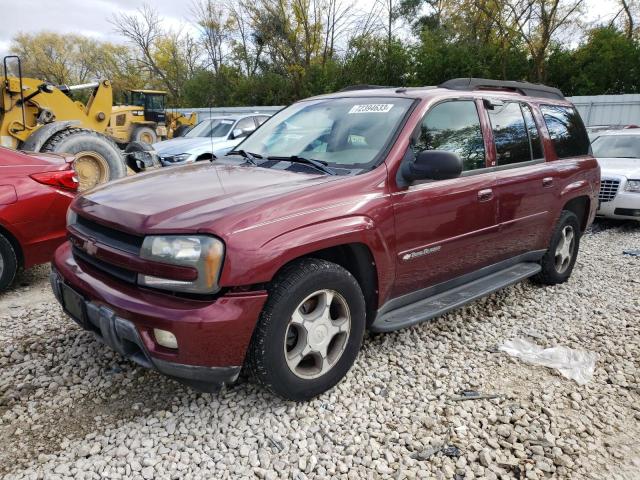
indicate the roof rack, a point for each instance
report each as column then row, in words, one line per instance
column 362, row 87
column 524, row 88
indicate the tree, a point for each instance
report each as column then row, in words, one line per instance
column 215, row 26
column 538, row 22
column 168, row 56
column 73, row 59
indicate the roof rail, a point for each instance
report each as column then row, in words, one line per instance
column 362, row 87
column 524, row 88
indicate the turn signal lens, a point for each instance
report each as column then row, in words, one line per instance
column 66, row 179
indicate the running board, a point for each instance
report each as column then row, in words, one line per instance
column 441, row 303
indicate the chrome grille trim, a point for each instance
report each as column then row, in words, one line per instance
column 608, row 189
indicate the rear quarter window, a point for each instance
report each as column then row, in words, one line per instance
column 567, row 132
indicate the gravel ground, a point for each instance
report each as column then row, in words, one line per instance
column 70, row 407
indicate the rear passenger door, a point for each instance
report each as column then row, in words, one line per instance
column 525, row 184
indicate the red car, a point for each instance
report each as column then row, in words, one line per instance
column 35, row 192
column 373, row 208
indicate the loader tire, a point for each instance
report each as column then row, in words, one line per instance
column 98, row 159
column 144, row 135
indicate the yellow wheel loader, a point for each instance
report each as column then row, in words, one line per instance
column 144, row 119
column 40, row 117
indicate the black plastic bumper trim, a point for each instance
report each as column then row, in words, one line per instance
column 122, row 336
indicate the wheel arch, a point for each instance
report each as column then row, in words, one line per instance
column 17, row 248
column 205, row 156
column 358, row 260
column 580, row 206
column 352, row 242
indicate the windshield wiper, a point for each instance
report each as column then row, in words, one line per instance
column 317, row 164
column 250, row 157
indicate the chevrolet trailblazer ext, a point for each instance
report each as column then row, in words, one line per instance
column 372, row 208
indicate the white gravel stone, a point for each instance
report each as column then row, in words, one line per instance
column 70, row 407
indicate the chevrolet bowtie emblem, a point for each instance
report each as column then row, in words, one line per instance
column 90, row 246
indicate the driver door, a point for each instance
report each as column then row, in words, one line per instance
column 446, row 228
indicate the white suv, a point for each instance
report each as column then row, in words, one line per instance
column 618, row 154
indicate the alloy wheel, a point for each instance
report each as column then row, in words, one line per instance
column 317, row 334
column 565, row 248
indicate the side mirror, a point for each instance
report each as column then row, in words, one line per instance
column 430, row 165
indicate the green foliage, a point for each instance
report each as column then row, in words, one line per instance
column 607, row 63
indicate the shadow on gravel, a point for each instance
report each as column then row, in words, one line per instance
column 603, row 224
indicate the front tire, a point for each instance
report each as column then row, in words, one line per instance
column 310, row 330
column 8, row 263
column 557, row 263
column 145, row 135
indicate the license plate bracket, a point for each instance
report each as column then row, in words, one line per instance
column 73, row 303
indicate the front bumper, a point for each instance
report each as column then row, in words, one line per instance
column 624, row 206
column 170, row 160
column 213, row 335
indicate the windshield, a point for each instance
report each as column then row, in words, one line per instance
column 617, row 146
column 212, row 127
column 343, row 132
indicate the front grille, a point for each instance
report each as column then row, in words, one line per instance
column 109, row 236
column 608, row 189
column 118, row 272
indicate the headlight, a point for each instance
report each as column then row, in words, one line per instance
column 633, row 186
column 205, row 254
column 181, row 157
column 72, row 217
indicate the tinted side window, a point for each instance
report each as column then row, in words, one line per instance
column 534, row 134
column 567, row 131
column 246, row 124
column 455, row 127
column 510, row 134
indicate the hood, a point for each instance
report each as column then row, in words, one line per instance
column 190, row 198
column 626, row 167
column 176, row 146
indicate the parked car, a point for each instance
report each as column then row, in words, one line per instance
column 596, row 131
column 374, row 208
column 618, row 154
column 211, row 138
column 35, row 192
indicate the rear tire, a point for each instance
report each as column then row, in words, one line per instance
column 557, row 263
column 98, row 158
column 314, row 306
column 8, row 263
column 144, row 135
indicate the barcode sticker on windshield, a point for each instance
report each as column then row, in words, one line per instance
column 372, row 108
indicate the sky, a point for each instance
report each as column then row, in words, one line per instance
column 91, row 17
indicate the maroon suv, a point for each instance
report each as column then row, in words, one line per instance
column 373, row 208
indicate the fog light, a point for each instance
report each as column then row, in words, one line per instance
column 165, row 338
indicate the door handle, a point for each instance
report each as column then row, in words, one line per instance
column 485, row 195
column 547, row 182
